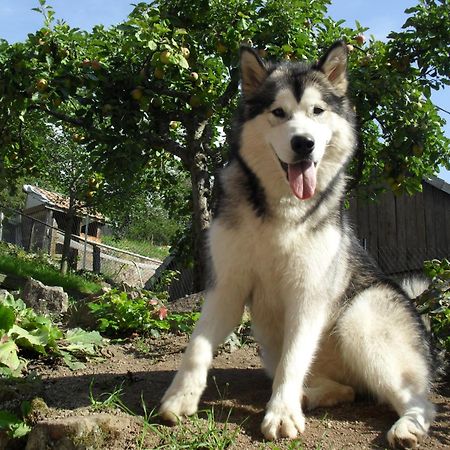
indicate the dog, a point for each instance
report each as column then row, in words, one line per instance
column 329, row 323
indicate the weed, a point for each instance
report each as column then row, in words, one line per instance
column 197, row 433
column 21, row 329
column 15, row 426
column 119, row 314
column 435, row 302
column 200, row 431
column 112, row 400
column 295, row 444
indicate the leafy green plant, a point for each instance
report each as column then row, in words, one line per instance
column 435, row 301
column 119, row 313
column 15, row 426
column 23, row 332
column 177, row 74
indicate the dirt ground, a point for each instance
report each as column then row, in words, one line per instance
column 236, row 383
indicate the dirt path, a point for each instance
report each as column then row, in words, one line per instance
column 236, row 382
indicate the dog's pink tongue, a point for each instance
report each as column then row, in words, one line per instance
column 302, row 179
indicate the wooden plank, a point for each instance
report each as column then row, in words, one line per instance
column 447, row 222
column 413, row 261
column 402, row 209
column 363, row 221
column 439, row 223
column 372, row 235
column 387, row 235
column 420, row 238
column 430, row 236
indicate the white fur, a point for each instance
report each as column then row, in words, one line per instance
column 300, row 120
column 293, row 278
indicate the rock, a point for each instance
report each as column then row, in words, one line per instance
column 3, row 294
column 12, row 282
column 45, row 299
column 79, row 433
column 38, row 410
column 190, row 303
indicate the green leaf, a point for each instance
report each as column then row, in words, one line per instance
column 6, row 419
column 36, row 339
column 180, row 60
column 7, row 318
column 8, row 355
column 71, row 362
column 80, row 336
column 78, row 340
column 19, row 429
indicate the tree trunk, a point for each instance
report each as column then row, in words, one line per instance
column 68, row 235
column 200, row 180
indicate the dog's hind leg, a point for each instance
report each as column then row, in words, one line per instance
column 323, row 392
column 383, row 344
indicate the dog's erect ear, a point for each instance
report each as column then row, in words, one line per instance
column 253, row 71
column 334, row 65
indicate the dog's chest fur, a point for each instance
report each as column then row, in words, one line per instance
column 276, row 250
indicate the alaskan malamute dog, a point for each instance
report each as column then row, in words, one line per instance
column 328, row 322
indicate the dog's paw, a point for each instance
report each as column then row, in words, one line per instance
column 182, row 397
column 406, row 433
column 283, row 421
column 176, row 405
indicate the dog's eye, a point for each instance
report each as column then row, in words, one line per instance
column 279, row 112
column 318, row 111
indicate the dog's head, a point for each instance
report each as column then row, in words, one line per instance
column 300, row 109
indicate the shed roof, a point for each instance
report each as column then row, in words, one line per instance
column 59, row 202
column 439, row 183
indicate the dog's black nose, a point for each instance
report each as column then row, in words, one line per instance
column 302, row 144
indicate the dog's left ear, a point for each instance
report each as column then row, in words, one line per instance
column 253, row 71
column 334, row 65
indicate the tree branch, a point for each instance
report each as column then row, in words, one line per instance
column 231, row 89
column 169, row 145
column 442, row 109
column 64, row 117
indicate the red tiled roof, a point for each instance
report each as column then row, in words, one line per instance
column 60, row 202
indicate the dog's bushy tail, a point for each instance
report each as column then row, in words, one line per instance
column 414, row 285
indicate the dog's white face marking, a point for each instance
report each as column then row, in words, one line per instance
column 289, row 118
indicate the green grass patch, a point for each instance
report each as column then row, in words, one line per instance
column 37, row 268
column 143, row 248
column 203, row 431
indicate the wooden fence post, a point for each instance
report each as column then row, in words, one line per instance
column 96, row 260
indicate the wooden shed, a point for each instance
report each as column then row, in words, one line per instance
column 46, row 211
column 402, row 231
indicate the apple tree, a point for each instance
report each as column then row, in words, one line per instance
column 157, row 93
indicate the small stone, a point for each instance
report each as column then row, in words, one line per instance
column 76, row 433
column 45, row 299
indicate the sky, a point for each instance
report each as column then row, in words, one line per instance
column 381, row 16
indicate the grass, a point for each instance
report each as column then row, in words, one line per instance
column 24, row 266
column 140, row 247
column 195, row 433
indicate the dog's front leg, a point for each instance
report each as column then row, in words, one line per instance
column 302, row 330
column 222, row 310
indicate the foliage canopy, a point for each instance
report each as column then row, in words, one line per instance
column 153, row 97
